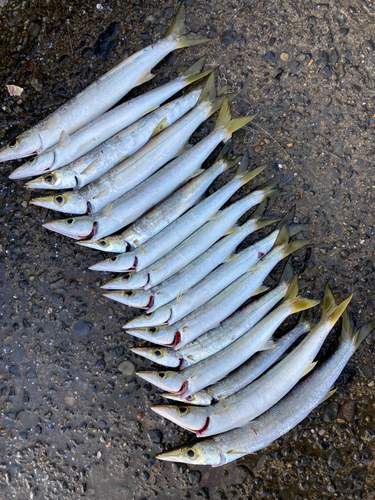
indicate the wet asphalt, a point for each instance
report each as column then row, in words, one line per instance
column 75, row 420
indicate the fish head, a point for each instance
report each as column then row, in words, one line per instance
column 192, row 418
column 25, row 144
column 111, row 244
column 117, row 263
column 200, row 398
column 162, row 355
column 58, row 179
column 163, row 335
column 71, row 202
column 128, row 280
column 166, row 380
column 132, row 298
column 79, row 228
column 155, row 318
column 205, row 452
column 37, row 165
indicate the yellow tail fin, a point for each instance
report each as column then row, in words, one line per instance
column 177, row 30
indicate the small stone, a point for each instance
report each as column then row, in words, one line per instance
column 284, row 56
column 155, row 436
column 290, row 144
column 69, row 400
column 118, row 352
column 194, row 477
column 107, row 41
column 82, row 328
column 227, row 38
column 127, row 368
column 258, row 149
column 15, row 371
column 347, row 411
column 330, row 412
column 366, row 371
column 31, row 374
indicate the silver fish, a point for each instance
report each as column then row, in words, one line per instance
column 191, row 274
column 133, row 170
column 105, row 126
column 197, row 243
column 282, row 417
column 248, row 371
column 214, row 368
column 220, row 337
column 179, row 230
column 102, row 94
column 167, row 211
column 257, row 397
column 211, row 285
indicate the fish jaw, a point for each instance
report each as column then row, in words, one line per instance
column 77, row 228
column 192, row 418
column 117, row 263
column 25, row 144
column 156, row 334
column 156, row 318
column 166, row 380
column 201, row 453
column 132, row 298
column 128, row 280
column 57, row 179
column 200, row 398
column 71, row 203
column 36, row 166
column 111, row 244
column 164, row 356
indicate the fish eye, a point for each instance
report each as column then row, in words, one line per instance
column 59, row 199
column 127, row 276
column 190, row 398
column 157, row 352
column 190, row 453
column 182, row 410
column 129, row 294
column 113, row 259
column 70, row 221
column 32, row 161
column 152, row 329
column 103, row 243
column 13, row 143
column 48, row 178
column 162, row 375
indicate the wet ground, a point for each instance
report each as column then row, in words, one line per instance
column 75, row 420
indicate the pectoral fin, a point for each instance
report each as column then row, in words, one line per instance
column 64, row 140
column 160, row 127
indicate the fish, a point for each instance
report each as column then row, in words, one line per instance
column 191, row 274
column 248, row 371
column 134, row 204
column 121, row 178
column 283, row 416
column 200, row 240
column 258, row 396
column 167, row 211
column 105, row 126
column 102, row 94
column 220, row 337
column 178, row 231
column 215, row 367
column 122, row 145
column 217, row 280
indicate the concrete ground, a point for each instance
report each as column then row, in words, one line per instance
column 75, row 420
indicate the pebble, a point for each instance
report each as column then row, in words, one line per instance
column 107, row 41
column 194, row 477
column 347, row 411
column 82, row 328
column 284, row 56
column 155, row 436
column 227, row 38
column 127, row 367
column 258, row 149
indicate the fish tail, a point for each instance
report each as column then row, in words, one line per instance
column 294, row 246
column 292, row 291
column 225, row 120
column 356, row 336
column 193, row 73
column 296, row 228
column 338, row 310
column 300, row 304
column 209, row 93
column 269, row 190
column 306, row 317
column 177, row 29
column 243, row 174
column 329, row 302
column 287, row 274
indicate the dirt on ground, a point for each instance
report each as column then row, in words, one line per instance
column 75, row 420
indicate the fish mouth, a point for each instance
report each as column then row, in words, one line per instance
column 52, row 226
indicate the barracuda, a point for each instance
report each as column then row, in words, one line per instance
column 167, row 211
column 282, row 417
column 267, row 390
column 102, row 94
column 105, row 126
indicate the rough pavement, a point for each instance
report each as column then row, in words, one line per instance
column 75, row 421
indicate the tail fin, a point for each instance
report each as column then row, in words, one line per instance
column 294, row 246
column 193, row 73
column 225, row 120
column 306, row 318
column 177, row 30
column 299, row 303
column 338, row 311
column 241, row 172
column 269, row 190
column 257, row 214
column 296, row 228
column 329, row 302
column 357, row 336
column 209, row 91
column 287, row 274
column 224, row 152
